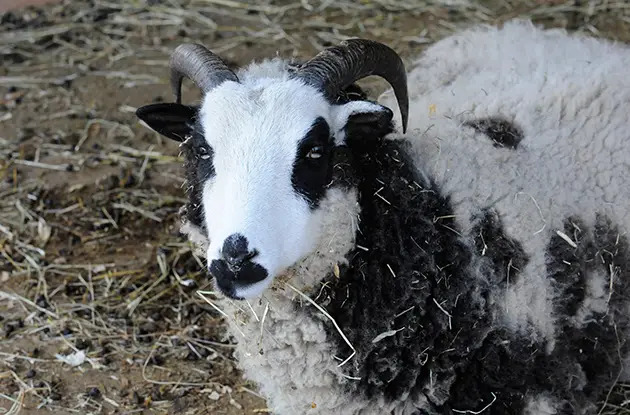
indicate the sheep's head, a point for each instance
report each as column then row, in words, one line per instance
column 259, row 151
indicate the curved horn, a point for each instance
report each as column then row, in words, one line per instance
column 337, row 67
column 203, row 67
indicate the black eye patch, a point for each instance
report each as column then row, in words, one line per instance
column 312, row 169
column 199, row 155
column 199, row 168
column 318, row 137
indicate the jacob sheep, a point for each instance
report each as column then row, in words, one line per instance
column 478, row 263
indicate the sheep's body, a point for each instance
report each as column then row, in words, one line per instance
column 490, row 272
column 568, row 97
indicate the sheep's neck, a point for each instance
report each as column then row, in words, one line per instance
column 402, row 260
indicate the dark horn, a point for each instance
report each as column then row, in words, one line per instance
column 200, row 65
column 337, row 67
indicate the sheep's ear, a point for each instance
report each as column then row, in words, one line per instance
column 361, row 119
column 171, row 120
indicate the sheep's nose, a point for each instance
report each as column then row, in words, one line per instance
column 236, row 252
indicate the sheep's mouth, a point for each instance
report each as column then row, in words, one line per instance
column 228, row 290
column 234, row 282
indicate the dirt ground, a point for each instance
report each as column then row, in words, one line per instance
column 98, row 306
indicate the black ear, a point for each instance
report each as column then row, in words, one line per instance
column 376, row 124
column 174, row 121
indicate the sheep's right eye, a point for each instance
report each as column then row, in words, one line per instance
column 204, row 153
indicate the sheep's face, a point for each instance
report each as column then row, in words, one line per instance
column 260, row 162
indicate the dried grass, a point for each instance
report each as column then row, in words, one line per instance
column 89, row 198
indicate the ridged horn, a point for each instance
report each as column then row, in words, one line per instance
column 337, row 67
column 196, row 62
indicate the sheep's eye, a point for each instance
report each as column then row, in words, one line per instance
column 203, row 153
column 315, row 153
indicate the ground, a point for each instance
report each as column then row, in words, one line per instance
column 99, row 310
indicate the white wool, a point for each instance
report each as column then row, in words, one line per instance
column 569, row 95
column 541, row 405
column 275, row 68
column 596, row 297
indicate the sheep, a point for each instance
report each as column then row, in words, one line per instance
column 472, row 258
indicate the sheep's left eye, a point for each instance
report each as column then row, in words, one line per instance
column 315, row 153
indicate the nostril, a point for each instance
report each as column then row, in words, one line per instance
column 240, row 258
column 236, row 252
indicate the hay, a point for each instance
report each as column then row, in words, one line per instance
column 90, row 258
column 467, row 411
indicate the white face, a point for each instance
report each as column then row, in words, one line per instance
column 270, row 145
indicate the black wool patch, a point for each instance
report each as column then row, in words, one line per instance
column 407, row 303
column 502, row 367
column 502, row 132
column 198, row 168
column 506, row 255
column 587, row 358
column 596, row 348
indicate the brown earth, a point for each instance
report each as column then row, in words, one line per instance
column 90, row 255
column 6, row 5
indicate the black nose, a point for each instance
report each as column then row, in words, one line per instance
column 236, row 271
column 236, row 252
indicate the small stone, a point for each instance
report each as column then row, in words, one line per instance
column 82, row 344
column 179, row 405
column 156, row 395
column 124, row 382
column 94, row 393
column 41, row 301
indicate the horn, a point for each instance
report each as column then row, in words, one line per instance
column 203, row 67
column 337, row 67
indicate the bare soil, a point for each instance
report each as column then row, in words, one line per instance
column 91, row 261
column 6, row 5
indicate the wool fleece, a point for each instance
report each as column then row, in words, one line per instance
column 479, row 262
